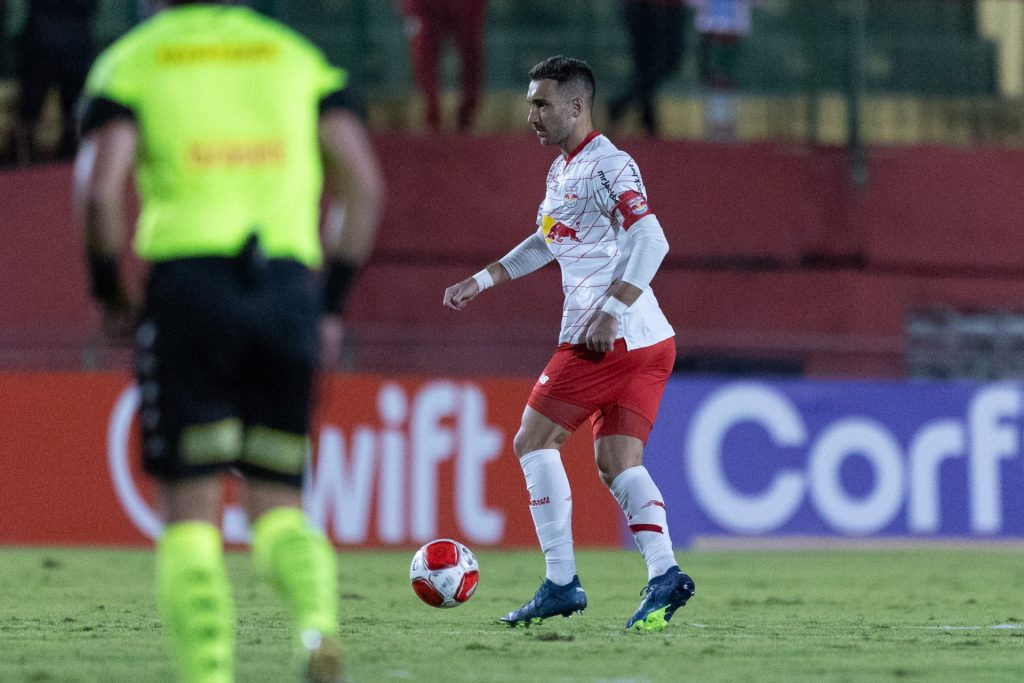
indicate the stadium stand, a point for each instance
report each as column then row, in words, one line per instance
column 931, row 72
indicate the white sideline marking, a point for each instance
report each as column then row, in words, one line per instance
column 994, row 627
column 999, row 627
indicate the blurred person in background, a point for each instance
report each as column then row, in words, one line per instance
column 615, row 349
column 232, row 124
column 429, row 23
column 722, row 25
column 55, row 51
column 656, row 30
column 6, row 138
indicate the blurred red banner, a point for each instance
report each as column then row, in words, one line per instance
column 395, row 462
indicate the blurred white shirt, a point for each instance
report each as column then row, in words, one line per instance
column 726, row 17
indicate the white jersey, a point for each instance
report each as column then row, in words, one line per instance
column 593, row 197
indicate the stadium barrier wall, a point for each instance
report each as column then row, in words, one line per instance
column 937, row 228
column 746, row 204
column 398, row 461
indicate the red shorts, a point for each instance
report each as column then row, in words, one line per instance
column 619, row 391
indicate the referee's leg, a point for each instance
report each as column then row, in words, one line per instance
column 193, row 592
column 299, row 562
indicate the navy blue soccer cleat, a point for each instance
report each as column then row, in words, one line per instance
column 551, row 600
column 662, row 597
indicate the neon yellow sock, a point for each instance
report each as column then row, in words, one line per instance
column 301, row 565
column 194, row 598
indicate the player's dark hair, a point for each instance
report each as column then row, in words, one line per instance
column 567, row 71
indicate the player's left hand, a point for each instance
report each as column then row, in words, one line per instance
column 458, row 295
column 602, row 330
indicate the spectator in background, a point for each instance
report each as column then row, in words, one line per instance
column 722, row 25
column 56, row 51
column 4, row 57
column 428, row 24
column 3, row 22
column 656, row 47
column 12, row 20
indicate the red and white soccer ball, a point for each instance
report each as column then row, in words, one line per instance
column 444, row 573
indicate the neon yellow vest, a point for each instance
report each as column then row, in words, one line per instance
column 226, row 103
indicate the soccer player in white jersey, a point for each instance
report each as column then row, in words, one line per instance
column 615, row 349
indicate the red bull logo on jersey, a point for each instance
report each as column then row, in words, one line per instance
column 558, row 232
column 570, row 197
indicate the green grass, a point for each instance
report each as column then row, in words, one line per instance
column 916, row 615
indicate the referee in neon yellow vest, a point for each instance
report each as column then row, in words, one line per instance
column 232, row 124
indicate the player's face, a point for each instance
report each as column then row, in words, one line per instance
column 552, row 111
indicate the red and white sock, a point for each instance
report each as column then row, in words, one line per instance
column 644, row 507
column 551, row 508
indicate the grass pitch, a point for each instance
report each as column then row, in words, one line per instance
column 843, row 615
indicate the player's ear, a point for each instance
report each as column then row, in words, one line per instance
column 577, row 106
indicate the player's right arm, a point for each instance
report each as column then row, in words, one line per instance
column 104, row 162
column 355, row 191
column 526, row 257
column 103, row 165
column 355, row 188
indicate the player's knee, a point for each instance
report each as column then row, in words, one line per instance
column 610, row 464
column 606, row 470
column 606, row 475
column 528, row 441
column 521, row 443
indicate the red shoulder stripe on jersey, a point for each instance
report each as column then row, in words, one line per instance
column 632, row 207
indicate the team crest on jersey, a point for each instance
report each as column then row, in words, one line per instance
column 570, row 197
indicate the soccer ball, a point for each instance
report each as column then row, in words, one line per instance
column 444, row 573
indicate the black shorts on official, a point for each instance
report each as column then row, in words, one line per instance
column 225, row 362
